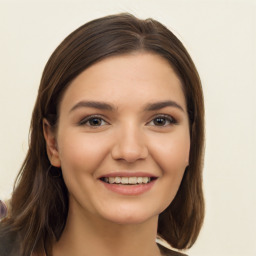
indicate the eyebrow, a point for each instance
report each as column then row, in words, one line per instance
column 109, row 107
column 93, row 104
column 163, row 104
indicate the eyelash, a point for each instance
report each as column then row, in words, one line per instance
column 90, row 118
column 166, row 118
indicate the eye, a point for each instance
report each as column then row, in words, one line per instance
column 93, row 121
column 162, row 120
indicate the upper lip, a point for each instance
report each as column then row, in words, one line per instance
column 128, row 174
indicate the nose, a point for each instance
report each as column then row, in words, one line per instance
column 129, row 145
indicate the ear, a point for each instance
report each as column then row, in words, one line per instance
column 51, row 144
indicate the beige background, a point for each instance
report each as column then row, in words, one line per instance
column 221, row 37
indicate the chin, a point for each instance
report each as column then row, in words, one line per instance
column 129, row 220
column 129, row 216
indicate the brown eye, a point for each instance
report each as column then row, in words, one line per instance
column 163, row 120
column 93, row 121
column 159, row 121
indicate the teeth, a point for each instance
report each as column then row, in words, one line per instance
column 139, row 179
column 111, row 180
column 132, row 180
column 127, row 180
column 118, row 180
column 145, row 179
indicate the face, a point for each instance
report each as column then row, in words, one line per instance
column 122, row 140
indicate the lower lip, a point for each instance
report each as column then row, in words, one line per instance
column 129, row 190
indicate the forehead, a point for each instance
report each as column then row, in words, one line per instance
column 141, row 76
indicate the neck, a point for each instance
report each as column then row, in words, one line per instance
column 87, row 234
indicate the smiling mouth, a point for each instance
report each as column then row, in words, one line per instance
column 127, row 180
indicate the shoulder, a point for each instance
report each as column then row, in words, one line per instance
column 168, row 252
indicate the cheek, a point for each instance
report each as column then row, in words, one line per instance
column 171, row 157
column 172, row 153
column 80, row 152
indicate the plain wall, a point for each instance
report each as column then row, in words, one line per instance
column 221, row 38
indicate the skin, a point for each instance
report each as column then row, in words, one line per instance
column 126, row 138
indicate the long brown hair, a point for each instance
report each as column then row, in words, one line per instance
column 39, row 203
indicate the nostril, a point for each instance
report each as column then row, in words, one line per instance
column 129, row 153
column 130, row 143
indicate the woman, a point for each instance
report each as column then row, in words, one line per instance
column 115, row 156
